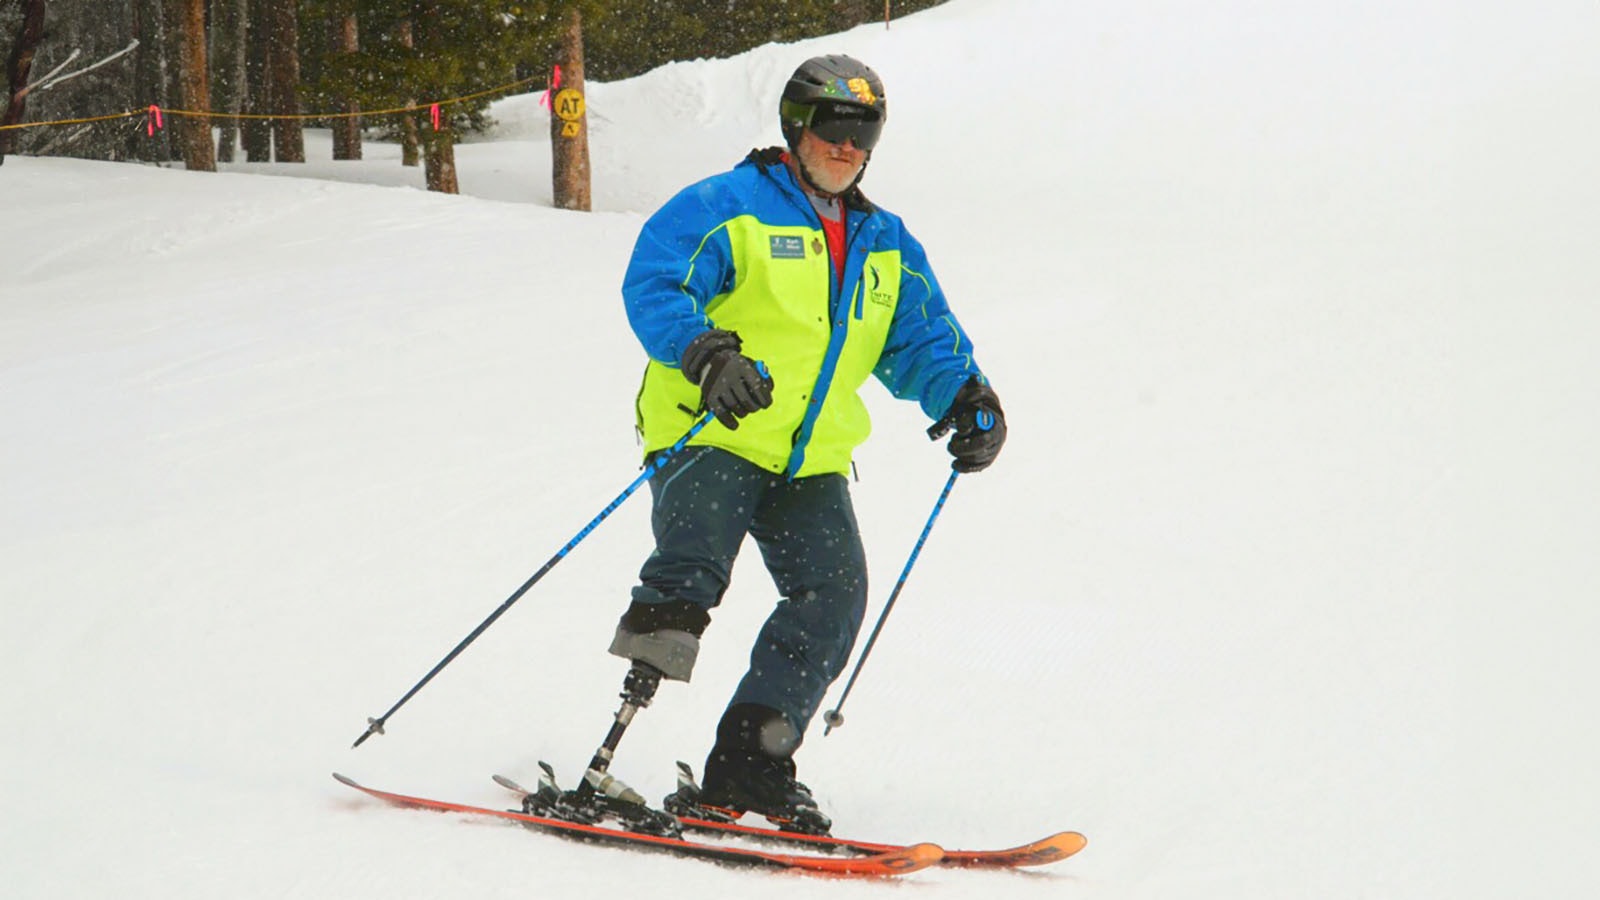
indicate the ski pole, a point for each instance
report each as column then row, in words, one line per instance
column 833, row 717
column 375, row 726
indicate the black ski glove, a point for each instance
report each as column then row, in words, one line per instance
column 731, row 384
column 980, row 426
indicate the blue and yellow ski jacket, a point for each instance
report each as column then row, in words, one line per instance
column 745, row 251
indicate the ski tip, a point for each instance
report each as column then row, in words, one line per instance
column 1042, row 852
column 346, row 780
column 1062, row 845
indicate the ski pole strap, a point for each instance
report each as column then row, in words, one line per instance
column 941, row 428
column 984, row 420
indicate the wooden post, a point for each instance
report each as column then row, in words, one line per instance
column 569, row 123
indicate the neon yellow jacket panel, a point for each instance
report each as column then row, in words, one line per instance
column 744, row 251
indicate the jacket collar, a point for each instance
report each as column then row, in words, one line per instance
column 773, row 162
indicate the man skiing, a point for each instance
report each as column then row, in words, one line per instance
column 766, row 295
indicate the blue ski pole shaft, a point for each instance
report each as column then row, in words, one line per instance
column 834, row 718
column 375, row 726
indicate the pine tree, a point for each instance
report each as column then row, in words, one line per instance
column 639, row 35
column 429, row 51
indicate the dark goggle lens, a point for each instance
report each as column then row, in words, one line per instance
column 837, row 124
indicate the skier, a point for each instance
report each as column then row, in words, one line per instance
column 767, row 295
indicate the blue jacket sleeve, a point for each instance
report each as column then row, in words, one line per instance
column 927, row 356
column 681, row 261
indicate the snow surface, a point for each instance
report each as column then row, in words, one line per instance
column 1284, row 586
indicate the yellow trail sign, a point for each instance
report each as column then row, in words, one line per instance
column 568, row 105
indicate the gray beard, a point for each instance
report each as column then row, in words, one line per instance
column 816, row 184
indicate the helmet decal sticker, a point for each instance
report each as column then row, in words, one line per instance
column 862, row 91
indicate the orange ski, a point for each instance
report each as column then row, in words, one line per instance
column 896, row 861
column 1042, row 852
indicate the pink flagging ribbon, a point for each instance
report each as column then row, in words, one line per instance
column 152, row 120
column 555, row 85
column 434, row 112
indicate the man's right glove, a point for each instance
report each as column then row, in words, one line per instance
column 980, row 426
column 731, row 385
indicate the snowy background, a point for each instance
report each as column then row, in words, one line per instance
column 1285, row 585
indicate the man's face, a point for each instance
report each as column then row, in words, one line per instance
column 832, row 166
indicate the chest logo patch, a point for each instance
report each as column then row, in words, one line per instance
column 880, row 297
column 788, row 246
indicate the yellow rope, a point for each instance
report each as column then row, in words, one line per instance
column 207, row 114
column 123, row 115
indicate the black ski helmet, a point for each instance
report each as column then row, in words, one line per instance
column 848, row 92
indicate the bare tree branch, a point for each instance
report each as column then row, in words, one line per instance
column 50, row 74
column 49, row 80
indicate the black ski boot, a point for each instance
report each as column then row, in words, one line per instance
column 751, row 769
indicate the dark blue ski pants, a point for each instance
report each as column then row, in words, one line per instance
column 705, row 501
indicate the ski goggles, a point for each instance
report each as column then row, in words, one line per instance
column 840, row 122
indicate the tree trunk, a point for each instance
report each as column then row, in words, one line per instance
column 347, row 130
column 409, row 143
column 441, row 158
column 150, row 75
column 228, row 29
column 569, row 123
column 283, row 73
column 19, row 64
column 194, row 87
column 257, row 100
column 439, row 139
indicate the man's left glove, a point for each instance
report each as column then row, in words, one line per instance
column 731, row 384
column 980, row 426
